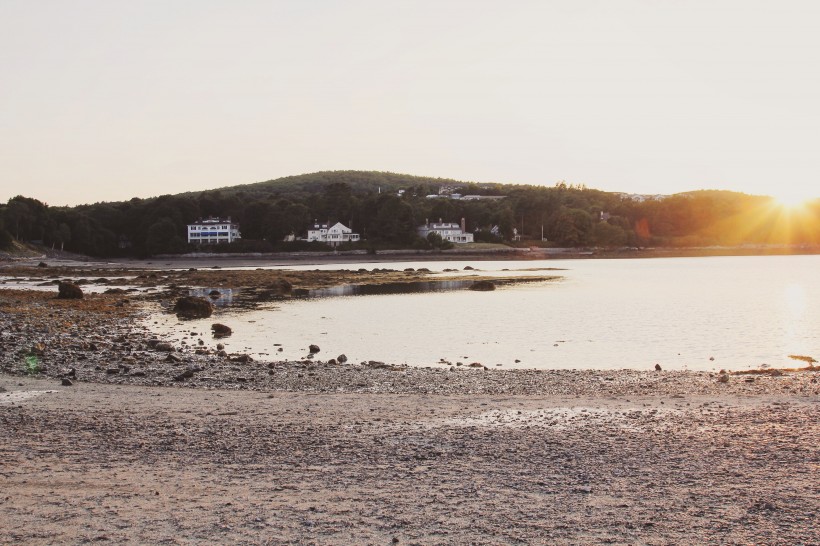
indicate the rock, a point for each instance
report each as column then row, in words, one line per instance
column 66, row 382
column 241, row 358
column 164, row 346
column 657, row 367
column 115, row 291
column 220, row 330
column 476, row 365
column 114, row 371
column 723, row 378
column 314, row 348
column 42, row 264
column 69, row 291
column 219, row 346
column 137, row 373
column 184, row 375
column 468, row 268
column 341, row 359
column 221, row 353
column 332, row 362
column 483, row 286
column 214, row 293
column 192, row 307
column 173, row 357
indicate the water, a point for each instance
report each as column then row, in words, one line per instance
column 683, row 313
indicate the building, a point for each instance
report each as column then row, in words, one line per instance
column 334, row 235
column 213, row 231
column 448, row 231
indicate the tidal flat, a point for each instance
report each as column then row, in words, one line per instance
column 110, row 436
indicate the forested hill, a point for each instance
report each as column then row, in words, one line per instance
column 386, row 208
column 360, row 183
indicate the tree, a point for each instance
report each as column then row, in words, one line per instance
column 163, row 237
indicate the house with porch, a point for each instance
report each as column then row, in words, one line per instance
column 333, row 235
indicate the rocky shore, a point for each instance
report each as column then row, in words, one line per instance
column 112, row 434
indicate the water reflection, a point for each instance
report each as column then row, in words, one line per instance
column 694, row 313
column 220, row 297
column 417, row 287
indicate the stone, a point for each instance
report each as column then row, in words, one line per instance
column 483, row 286
column 314, row 348
column 173, row 357
column 42, row 264
column 220, row 330
column 241, row 358
column 184, row 375
column 214, row 293
column 164, row 346
column 192, row 307
column 657, row 367
column 723, row 378
column 341, row 359
column 66, row 382
column 113, row 371
column 219, row 346
column 69, row 291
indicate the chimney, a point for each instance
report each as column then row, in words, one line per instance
column 463, row 225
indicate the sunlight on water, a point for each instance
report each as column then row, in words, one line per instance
column 682, row 313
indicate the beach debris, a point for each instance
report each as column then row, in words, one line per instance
column 69, row 291
column 220, row 330
column 483, row 286
column 192, row 307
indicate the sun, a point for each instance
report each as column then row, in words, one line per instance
column 792, row 198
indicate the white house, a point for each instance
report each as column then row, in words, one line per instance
column 449, row 231
column 212, row 231
column 334, row 235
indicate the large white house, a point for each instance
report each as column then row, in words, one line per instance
column 334, row 235
column 211, row 231
column 449, row 231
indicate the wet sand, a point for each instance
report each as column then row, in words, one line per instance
column 135, row 464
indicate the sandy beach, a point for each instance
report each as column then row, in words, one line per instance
column 184, row 447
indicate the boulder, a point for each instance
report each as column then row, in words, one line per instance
column 220, row 330
column 69, row 291
column 192, row 307
column 483, row 286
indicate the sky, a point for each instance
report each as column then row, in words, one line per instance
column 111, row 99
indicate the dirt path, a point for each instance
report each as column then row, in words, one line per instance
column 136, row 464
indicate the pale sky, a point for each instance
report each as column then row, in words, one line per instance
column 107, row 100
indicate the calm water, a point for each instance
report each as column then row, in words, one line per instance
column 608, row 314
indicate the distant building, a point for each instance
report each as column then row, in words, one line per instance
column 212, row 231
column 448, row 231
column 334, row 235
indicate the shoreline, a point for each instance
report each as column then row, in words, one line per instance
column 285, row 259
column 155, row 443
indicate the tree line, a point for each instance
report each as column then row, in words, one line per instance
column 370, row 203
